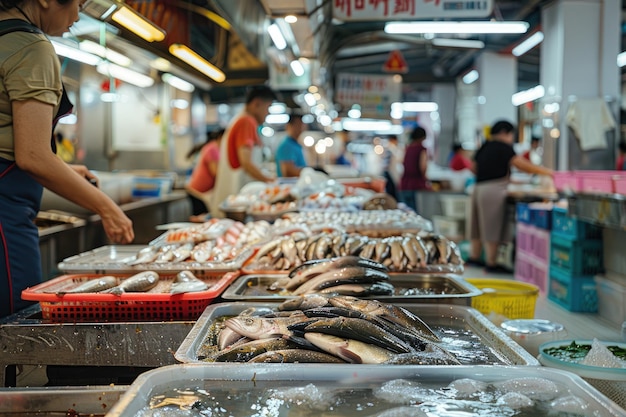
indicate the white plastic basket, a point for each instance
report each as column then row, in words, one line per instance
column 454, row 206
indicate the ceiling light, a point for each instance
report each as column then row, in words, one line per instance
column 75, row 54
column 277, row 36
column 297, row 68
column 277, row 108
column 458, row 43
column 179, row 103
column 138, row 24
column 186, row 54
column 104, row 52
column 276, row 119
column 525, row 96
column 290, row 18
column 456, row 27
column 621, row 59
column 417, row 106
column 124, row 74
column 361, row 125
column 471, row 76
column 176, row 82
column 528, row 44
column 308, row 141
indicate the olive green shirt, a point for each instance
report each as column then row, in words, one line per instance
column 29, row 69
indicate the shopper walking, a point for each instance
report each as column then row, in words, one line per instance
column 203, row 176
column 240, row 151
column 289, row 154
column 392, row 166
column 32, row 99
column 415, row 164
column 492, row 166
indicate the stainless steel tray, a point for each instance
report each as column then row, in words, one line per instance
column 247, row 388
column 84, row 401
column 115, row 258
column 446, row 289
column 489, row 344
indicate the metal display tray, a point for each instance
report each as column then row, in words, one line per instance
column 67, row 401
column 243, row 379
column 115, row 258
column 446, row 289
column 494, row 340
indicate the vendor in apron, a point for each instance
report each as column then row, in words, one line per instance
column 240, row 152
column 32, row 99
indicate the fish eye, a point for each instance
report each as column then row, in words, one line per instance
column 249, row 320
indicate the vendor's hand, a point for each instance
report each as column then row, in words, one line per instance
column 118, row 227
column 83, row 171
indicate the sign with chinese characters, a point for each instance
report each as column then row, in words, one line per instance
column 347, row 10
column 374, row 93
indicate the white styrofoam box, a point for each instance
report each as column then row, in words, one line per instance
column 611, row 291
column 454, row 206
column 614, row 259
column 449, row 227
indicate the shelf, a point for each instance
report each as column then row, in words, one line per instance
column 607, row 210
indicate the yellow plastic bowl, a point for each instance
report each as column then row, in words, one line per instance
column 512, row 299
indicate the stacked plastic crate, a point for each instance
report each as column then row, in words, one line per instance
column 532, row 244
column 576, row 256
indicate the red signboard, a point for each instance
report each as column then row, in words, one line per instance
column 395, row 63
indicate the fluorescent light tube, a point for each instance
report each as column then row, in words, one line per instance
column 417, row 106
column 297, row 68
column 471, row 76
column 361, row 125
column 456, row 27
column 188, row 55
column 138, row 24
column 124, row 74
column 525, row 96
column 277, row 119
column 75, row 54
column 104, row 52
column 621, row 59
column 277, row 108
column 458, row 43
column 176, row 82
column 528, row 44
column 277, row 36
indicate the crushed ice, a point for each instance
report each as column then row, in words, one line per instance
column 515, row 400
column 569, row 404
column 403, row 391
column 600, row 355
column 467, row 387
column 538, row 389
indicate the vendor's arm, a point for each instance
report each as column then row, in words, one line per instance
column 289, row 169
column 32, row 122
column 244, row 153
column 525, row 165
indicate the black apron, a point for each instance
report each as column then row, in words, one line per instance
column 20, row 199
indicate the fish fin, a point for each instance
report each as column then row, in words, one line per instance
column 349, row 356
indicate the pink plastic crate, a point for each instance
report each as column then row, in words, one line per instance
column 619, row 184
column 597, row 182
column 533, row 241
column 531, row 270
column 567, row 181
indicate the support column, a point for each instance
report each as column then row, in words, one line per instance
column 497, row 83
column 578, row 60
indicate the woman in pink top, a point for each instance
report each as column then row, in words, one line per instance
column 203, row 176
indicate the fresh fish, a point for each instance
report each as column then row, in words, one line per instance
column 367, row 251
column 186, row 281
column 141, row 282
column 322, row 247
column 304, row 302
column 279, row 284
column 420, row 249
column 261, row 327
column 350, row 274
column 330, row 311
column 248, row 350
column 409, row 251
column 182, row 252
column 359, row 329
column 443, row 249
column 93, row 285
column 290, row 253
column 227, row 337
column 352, row 351
column 360, row 289
column 183, row 401
column 145, row 255
column 267, row 248
column 381, row 250
column 295, row 356
column 165, row 255
column 396, row 253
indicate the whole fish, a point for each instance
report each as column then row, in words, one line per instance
column 311, row 269
column 248, row 350
column 261, row 327
column 352, row 351
column 295, row 356
column 182, row 252
column 359, row 329
column 304, row 302
column 350, row 274
column 186, row 281
column 360, row 289
column 145, row 255
column 141, row 282
column 227, row 337
column 93, row 285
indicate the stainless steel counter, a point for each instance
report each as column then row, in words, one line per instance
column 607, row 210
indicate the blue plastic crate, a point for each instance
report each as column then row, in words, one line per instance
column 574, row 228
column 541, row 217
column 573, row 293
column 576, row 257
column 523, row 213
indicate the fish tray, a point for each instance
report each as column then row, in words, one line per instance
column 156, row 304
column 494, row 345
column 115, row 259
column 314, row 389
column 66, row 401
column 445, row 289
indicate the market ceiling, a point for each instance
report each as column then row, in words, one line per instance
column 233, row 38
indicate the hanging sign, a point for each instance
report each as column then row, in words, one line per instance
column 374, row 93
column 395, row 63
column 347, row 10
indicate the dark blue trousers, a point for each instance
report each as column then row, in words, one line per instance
column 20, row 261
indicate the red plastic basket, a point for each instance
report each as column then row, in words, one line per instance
column 157, row 304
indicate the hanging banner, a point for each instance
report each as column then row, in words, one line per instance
column 355, row 10
column 374, row 93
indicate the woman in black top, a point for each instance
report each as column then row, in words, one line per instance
column 492, row 165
